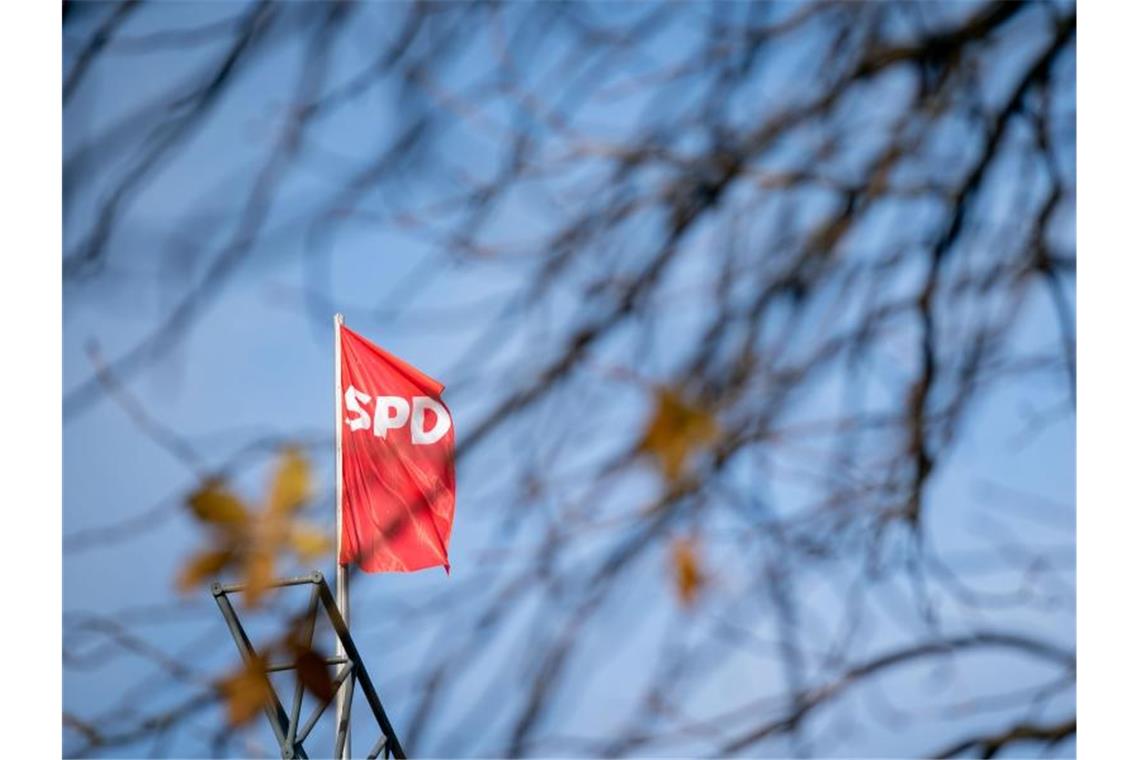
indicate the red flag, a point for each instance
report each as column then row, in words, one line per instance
column 398, row 448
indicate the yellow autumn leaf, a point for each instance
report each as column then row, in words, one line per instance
column 256, row 542
column 201, row 566
column 687, row 573
column 677, row 430
column 246, row 692
column 212, row 503
column 259, row 567
column 292, row 483
column 309, row 543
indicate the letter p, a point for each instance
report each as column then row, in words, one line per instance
column 391, row 413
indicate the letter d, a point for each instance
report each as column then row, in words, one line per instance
column 442, row 420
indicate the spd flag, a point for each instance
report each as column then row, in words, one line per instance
column 398, row 457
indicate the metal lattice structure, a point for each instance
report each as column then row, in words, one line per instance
column 287, row 727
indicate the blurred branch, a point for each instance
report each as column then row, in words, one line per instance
column 853, row 675
column 98, row 41
column 992, row 745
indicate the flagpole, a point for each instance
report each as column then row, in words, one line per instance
column 344, row 694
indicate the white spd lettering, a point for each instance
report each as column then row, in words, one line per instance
column 352, row 401
column 442, row 420
column 392, row 412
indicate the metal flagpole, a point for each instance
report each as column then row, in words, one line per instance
column 343, row 694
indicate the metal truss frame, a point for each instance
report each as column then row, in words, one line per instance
column 287, row 727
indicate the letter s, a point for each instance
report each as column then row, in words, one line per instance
column 352, row 402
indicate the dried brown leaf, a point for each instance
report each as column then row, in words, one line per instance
column 314, row 674
column 246, row 692
column 687, row 572
column 251, row 541
column 201, row 566
column 677, row 430
column 214, row 504
column 309, row 543
column 259, row 568
column 292, row 484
